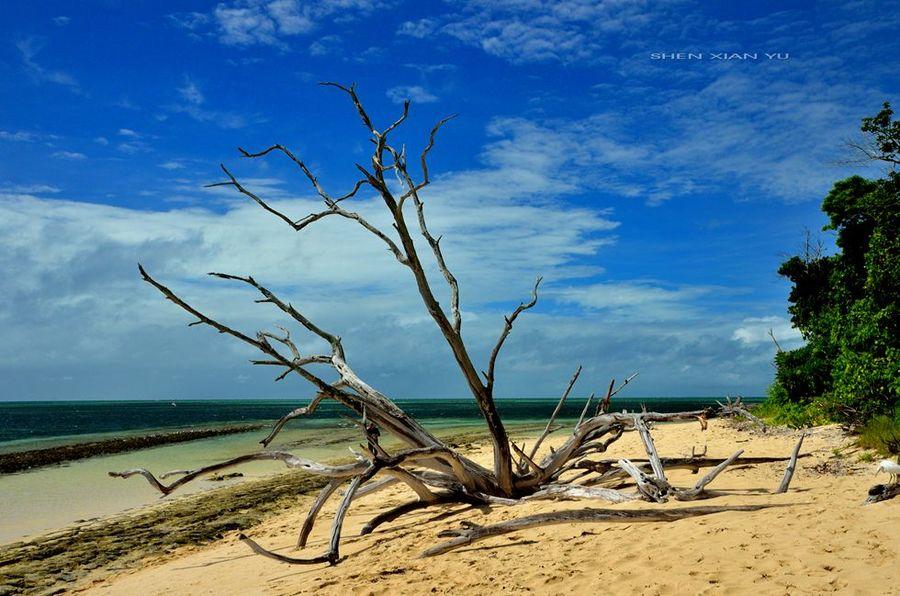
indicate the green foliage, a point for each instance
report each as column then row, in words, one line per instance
column 866, row 457
column 802, row 374
column 778, row 409
column 885, row 133
column 847, row 305
column 882, row 433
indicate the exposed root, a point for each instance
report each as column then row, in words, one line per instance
column 390, row 515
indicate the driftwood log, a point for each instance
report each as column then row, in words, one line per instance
column 883, row 492
column 436, row 472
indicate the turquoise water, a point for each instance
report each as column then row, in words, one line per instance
column 43, row 499
column 27, row 424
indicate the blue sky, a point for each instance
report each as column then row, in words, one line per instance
column 655, row 196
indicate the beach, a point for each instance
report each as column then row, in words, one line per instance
column 50, row 497
column 818, row 537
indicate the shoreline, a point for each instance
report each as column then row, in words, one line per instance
column 110, row 544
column 828, row 540
column 18, row 461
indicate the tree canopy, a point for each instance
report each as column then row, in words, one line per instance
column 847, row 305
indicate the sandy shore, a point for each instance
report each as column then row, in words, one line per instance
column 820, row 539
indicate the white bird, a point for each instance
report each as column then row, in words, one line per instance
column 891, row 467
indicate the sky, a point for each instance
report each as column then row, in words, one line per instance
column 656, row 193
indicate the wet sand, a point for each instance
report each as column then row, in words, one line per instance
column 821, row 538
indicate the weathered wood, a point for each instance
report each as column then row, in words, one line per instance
column 436, row 465
column 645, row 484
column 650, row 447
column 470, row 533
column 584, row 411
column 393, row 513
column 291, row 461
column 556, row 411
column 697, row 491
column 882, row 492
column 314, row 510
column 792, row 465
column 575, row 491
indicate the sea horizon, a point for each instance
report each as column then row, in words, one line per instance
column 25, row 422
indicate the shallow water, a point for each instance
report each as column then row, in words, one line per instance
column 52, row 497
column 49, row 498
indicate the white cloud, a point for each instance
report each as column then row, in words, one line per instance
column 189, row 20
column 28, row 51
column 77, row 261
column 101, row 141
column 133, row 147
column 755, row 331
column 71, row 155
column 127, row 132
column 418, row 29
column 61, row 21
column 503, row 223
column 324, row 46
column 193, row 106
column 172, row 165
column 20, row 136
column 636, row 301
column 191, row 93
column 415, row 93
column 565, row 31
column 29, row 189
column 272, row 22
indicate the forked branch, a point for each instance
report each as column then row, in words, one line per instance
column 507, row 327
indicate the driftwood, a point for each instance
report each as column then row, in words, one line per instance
column 436, row 472
column 792, row 465
column 883, row 492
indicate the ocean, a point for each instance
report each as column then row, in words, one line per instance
column 25, row 425
column 51, row 497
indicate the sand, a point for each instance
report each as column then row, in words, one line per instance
column 823, row 539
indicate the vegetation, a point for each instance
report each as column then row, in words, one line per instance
column 847, row 305
column 882, row 434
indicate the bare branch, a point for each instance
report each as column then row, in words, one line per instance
column 312, row 178
column 584, row 411
column 556, row 411
column 688, row 495
column 351, row 91
column 314, row 509
column 424, row 158
column 333, row 209
column 573, row 491
column 792, row 465
column 647, row 439
column 304, row 411
column 507, row 327
column 527, row 459
column 290, row 460
column 775, row 341
column 435, row 244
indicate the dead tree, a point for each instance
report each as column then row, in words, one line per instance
column 436, row 472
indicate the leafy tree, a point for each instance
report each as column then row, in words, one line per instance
column 847, row 305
